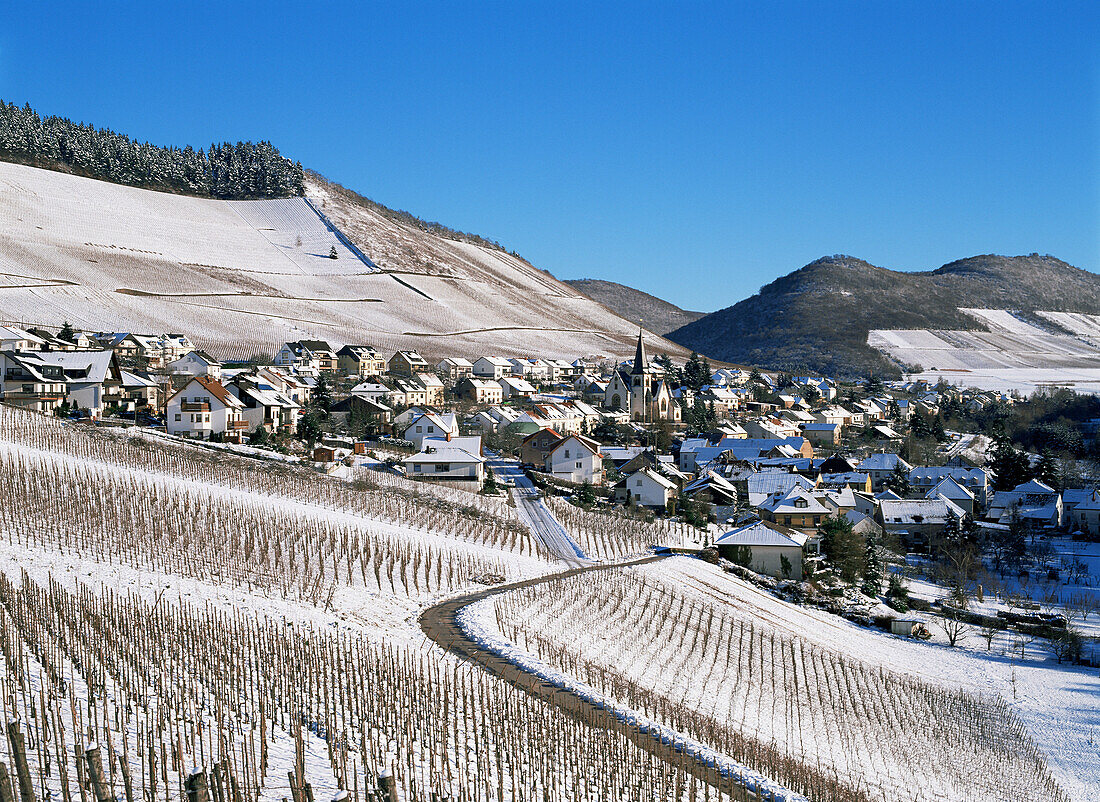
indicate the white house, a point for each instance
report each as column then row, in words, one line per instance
column 431, row 426
column 16, row 339
column 646, row 488
column 204, row 407
column 448, row 462
column 454, row 368
column 492, row 367
column 513, row 387
column 764, row 545
column 576, row 459
column 196, row 363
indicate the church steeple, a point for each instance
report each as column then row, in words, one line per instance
column 641, row 364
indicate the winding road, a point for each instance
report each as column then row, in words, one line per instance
column 439, row 623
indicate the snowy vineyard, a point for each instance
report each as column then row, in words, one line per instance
column 611, row 534
column 279, row 711
column 181, row 608
column 820, row 723
column 228, row 519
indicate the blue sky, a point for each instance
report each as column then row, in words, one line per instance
column 693, row 150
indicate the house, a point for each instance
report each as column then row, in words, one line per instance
column 948, row 487
column 798, row 508
column 368, row 416
column 414, row 393
column 1084, row 514
column 196, row 363
column 822, row 433
column 479, row 391
column 560, row 371
column 204, row 407
column 360, row 360
column 645, row 488
column 93, row 379
column 407, row 363
column 30, row 384
column 494, row 418
column 1035, row 503
column 434, row 389
column 881, row 466
column 850, row 479
column 533, row 369
column 536, row 446
column 430, row 426
column 16, row 339
column 314, row 355
column 137, row 392
column 441, row 461
column 765, row 484
column 715, row 491
column 766, row 548
column 513, row 388
column 917, row 523
column 976, row 480
column 575, row 459
column 263, row 405
column 492, row 367
column 455, row 368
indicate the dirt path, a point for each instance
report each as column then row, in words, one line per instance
column 439, row 624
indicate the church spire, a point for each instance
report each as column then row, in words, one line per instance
column 641, row 364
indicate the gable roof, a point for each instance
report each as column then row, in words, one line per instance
column 653, row 476
column 762, row 533
column 591, row 445
column 215, row 388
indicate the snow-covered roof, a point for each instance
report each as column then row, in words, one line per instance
column 446, row 453
column 762, row 533
column 883, row 462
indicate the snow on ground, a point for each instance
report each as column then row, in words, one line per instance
column 1012, row 355
column 241, row 277
column 1059, row 704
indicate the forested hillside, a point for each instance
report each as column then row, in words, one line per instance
column 818, row 317
column 241, row 171
column 655, row 314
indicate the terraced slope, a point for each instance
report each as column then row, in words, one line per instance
column 241, row 277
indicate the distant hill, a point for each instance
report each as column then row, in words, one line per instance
column 656, row 315
column 818, row 317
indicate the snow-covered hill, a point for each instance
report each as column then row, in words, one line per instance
column 241, row 277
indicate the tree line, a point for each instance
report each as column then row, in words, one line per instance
column 244, row 170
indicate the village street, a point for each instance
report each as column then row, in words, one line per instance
column 535, row 514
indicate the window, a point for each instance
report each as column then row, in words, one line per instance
column 419, row 429
column 442, row 467
column 579, row 465
column 179, row 417
column 567, row 453
column 431, row 429
column 638, row 482
column 416, row 468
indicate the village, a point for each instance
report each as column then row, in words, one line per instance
column 761, row 462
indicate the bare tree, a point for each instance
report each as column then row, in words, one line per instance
column 953, row 626
column 989, row 631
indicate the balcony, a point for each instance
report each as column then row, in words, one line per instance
column 192, row 406
column 236, row 425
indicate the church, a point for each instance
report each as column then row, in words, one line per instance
column 642, row 392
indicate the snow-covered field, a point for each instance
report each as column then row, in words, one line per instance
column 183, row 608
column 241, row 277
column 189, row 593
column 895, row 719
column 1012, row 355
